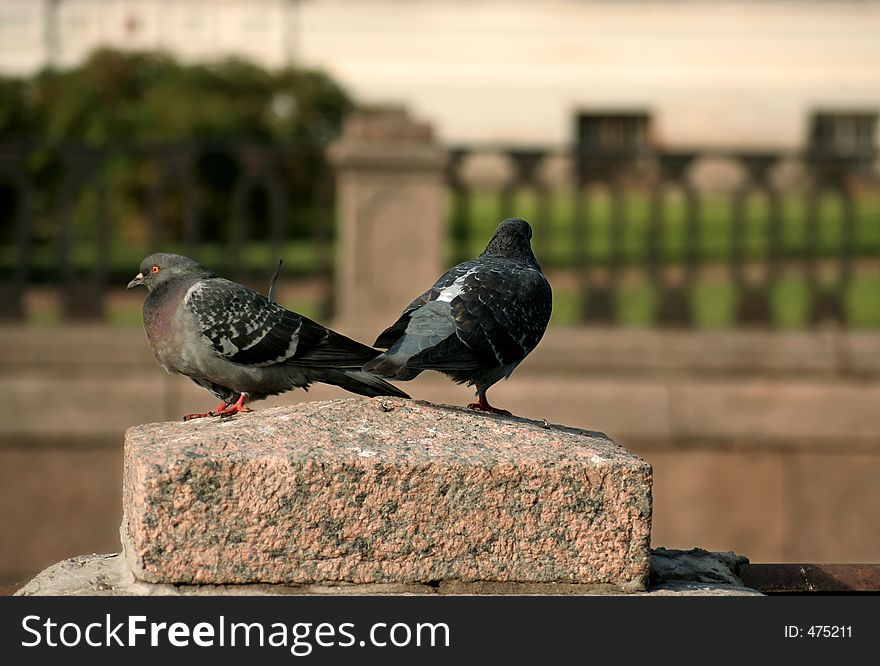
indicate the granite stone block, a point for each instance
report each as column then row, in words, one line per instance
column 379, row 490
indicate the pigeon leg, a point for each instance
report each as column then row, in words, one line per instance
column 214, row 412
column 238, row 407
column 484, row 406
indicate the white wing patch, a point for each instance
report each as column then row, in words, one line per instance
column 455, row 288
column 196, row 288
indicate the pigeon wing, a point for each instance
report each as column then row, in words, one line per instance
column 321, row 347
column 393, row 333
column 500, row 315
column 244, row 327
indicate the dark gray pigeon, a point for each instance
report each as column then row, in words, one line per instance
column 477, row 322
column 238, row 344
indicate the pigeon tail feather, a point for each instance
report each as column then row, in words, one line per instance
column 391, row 365
column 392, row 334
column 357, row 381
column 451, row 354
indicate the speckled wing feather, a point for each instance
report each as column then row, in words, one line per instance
column 244, row 327
column 501, row 310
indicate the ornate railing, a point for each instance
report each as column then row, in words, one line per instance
column 773, row 238
column 80, row 218
column 775, row 225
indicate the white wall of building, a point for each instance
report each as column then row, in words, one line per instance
column 743, row 72
column 259, row 30
column 712, row 72
column 23, row 25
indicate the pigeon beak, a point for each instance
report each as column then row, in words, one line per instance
column 138, row 280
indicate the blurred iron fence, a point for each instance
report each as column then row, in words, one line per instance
column 787, row 238
column 81, row 218
column 667, row 235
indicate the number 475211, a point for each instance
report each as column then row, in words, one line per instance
column 828, row 631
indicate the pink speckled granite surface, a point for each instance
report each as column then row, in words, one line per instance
column 383, row 491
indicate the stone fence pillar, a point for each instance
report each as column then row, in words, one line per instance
column 391, row 210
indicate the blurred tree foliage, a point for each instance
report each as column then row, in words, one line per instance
column 16, row 118
column 151, row 97
column 129, row 103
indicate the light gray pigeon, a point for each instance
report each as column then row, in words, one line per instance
column 238, row 344
column 477, row 322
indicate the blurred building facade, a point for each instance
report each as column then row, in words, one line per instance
column 742, row 72
column 39, row 33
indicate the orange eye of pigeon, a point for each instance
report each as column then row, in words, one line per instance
column 154, row 269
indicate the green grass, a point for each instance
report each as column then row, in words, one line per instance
column 713, row 296
column 300, row 259
column 123, row 316
column 555, row 237
column 713, row 304
column 863, row 303
column 714, row 241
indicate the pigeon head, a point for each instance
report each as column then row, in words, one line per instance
column 512, row 240
column 161, row 267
